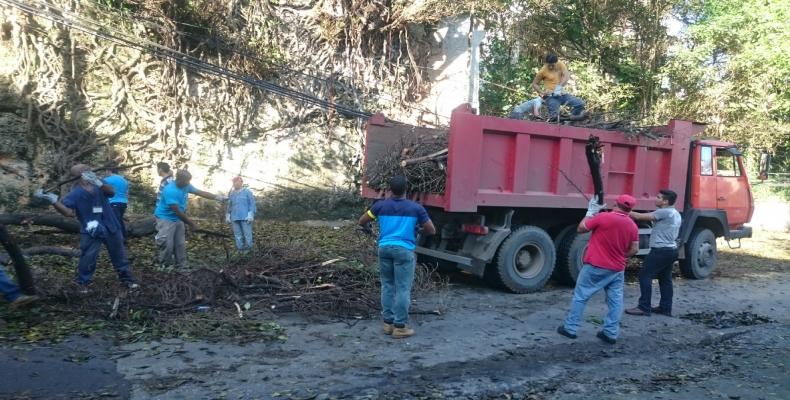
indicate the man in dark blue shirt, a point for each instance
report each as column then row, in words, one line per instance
column 98, row 225
column 397, row 218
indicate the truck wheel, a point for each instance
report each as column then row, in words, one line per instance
column 700, row 254
column 570, row 255
column 525, row 260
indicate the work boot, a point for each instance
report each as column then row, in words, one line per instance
column 404, row 332
column 607, row 339
column 388, row 328
column 23, row 300
column 637, row 311
column 659, row 310
column 561, row 330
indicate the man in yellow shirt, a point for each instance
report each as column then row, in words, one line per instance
column 554, row 76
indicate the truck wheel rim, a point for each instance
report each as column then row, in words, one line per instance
column 528, row 261
column 705, row 255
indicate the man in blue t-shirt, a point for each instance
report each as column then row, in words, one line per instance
column 170, row 218
column 98, row 225
column 397, row 218
column 119, row 201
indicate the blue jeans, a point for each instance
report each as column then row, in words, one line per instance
column 590, row 281
column 120, row 209
column 9, row 289
column 90, row 248
column 553, row 103
column 242, row 232
column 396, row 267
column 657, row 263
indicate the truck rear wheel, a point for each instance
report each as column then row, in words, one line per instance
column 700, row 254
column 525, row 260
column 570, row 255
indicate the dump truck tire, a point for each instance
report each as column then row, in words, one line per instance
column 525, row 260
column 570, row 255
column 700, row 254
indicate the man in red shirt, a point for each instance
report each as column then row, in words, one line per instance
column 614, row 238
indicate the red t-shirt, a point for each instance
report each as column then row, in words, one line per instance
column 612, row 235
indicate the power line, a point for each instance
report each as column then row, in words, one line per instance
column 183, row 59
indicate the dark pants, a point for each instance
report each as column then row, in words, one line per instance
column 120, row 209
column 658, row 263
column 90, row 248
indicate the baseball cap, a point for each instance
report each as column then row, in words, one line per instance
column 626, row 202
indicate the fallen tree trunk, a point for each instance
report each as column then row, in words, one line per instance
column 23, row 274
column 38, row 250
column 140, row 227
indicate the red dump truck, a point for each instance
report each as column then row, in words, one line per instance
column 513, row 198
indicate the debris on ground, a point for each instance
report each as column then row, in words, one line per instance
column 725, row 319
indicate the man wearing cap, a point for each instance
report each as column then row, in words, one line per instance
column 554, row 75
column 240, row 213
column 171, row 218
column 663, row 253
column 614, row 238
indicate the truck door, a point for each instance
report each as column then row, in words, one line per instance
column 732, row 187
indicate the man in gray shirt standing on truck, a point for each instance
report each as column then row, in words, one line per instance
column 663, row 253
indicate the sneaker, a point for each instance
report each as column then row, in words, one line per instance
column 659, row 310
column 399, row 333
column 607, row 339
column 23, row 300
column 561, row 330
column 388, row 328
column 130, row 285
column 637, row 311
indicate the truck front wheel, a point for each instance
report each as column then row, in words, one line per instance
column 525, row 260
column 700, row 254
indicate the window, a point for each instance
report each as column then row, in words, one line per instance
column 726, row 163
column 706, row 160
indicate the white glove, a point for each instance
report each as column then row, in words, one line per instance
column 557, row 90
column 91, row 226
column 593, row 207
column 50, row 197
column 90, row 177
column 220, row 198
column 227, row 218
column 249, row 217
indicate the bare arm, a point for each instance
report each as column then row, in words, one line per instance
column 365, row 219
column 642, row 216
column 428, row 228
column 634, row 249
column 582, row 228
column 65, row 211
column 566, row 76
column 536, row 84
column 205, row 195
column 174, row 208
column 108, row 190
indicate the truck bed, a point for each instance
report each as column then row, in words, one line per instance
column 497, row 162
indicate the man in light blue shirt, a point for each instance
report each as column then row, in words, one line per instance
column 171, row 218
column 240, row 214
column 120, row 199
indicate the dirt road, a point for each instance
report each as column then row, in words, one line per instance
column 729, row 340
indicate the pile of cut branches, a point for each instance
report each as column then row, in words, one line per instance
column 421, row 158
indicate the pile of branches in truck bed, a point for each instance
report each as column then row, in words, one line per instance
column 421, row 158
column 613, row 121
